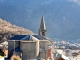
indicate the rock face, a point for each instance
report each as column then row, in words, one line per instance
column 7, row 30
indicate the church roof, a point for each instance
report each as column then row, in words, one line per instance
column 27, row 37
column 42, row 25
column 40, row 37
column 21, row 37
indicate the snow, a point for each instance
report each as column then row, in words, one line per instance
column 64, row 57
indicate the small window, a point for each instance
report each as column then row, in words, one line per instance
column 43, row 33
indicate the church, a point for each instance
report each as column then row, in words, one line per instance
column 30, row 47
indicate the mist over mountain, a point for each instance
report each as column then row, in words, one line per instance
column 62, row 17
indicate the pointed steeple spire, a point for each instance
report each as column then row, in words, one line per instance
column 42, row 25
column 42, row 29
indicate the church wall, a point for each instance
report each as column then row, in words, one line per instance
column 29, row 50
column 11, row 45
column 37, row 48
column 43, row 44
column 43, row 55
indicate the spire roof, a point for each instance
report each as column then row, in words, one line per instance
column 42, row 25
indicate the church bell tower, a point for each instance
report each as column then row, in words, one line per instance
column 42, row 29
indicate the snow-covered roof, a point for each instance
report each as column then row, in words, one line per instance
column 64, row 57
column 4, row 43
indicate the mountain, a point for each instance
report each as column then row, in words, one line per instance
column 6, row 27
column 62, row 17
column 7, row 30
